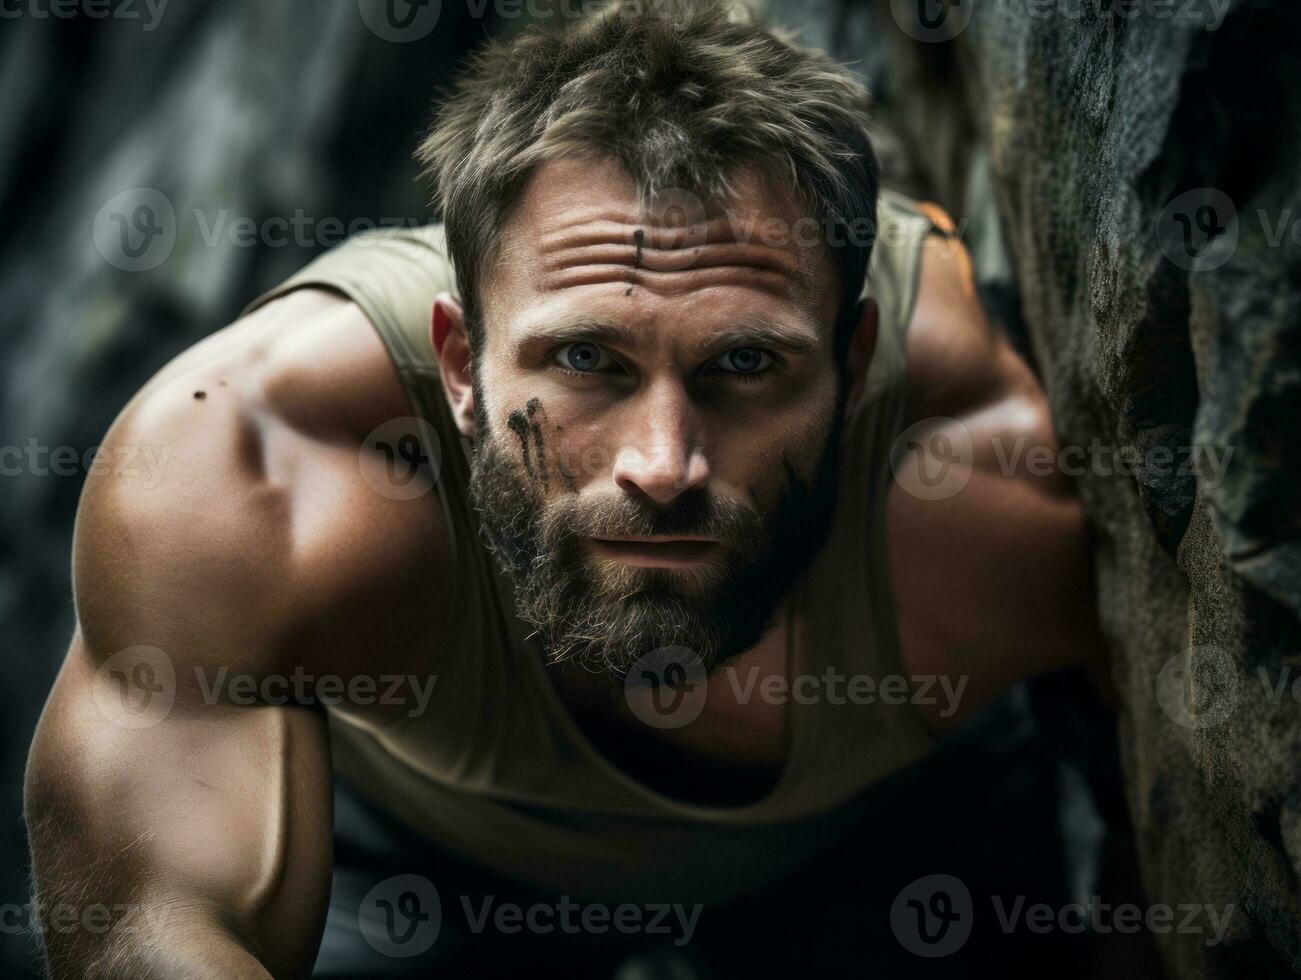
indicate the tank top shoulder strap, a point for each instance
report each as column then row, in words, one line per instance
column 393, row 276
column 892, row 281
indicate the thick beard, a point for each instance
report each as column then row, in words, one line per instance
column 605, row 615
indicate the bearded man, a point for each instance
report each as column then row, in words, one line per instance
column 609, row 541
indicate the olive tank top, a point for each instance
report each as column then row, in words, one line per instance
column 497, row 770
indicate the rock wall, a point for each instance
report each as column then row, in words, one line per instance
column 1146, row 161
column 224, row 113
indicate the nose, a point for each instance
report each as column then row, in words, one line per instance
column 660, row 457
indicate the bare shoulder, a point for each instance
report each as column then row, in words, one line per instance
column 956, row 358
column 992, row 568
column 254, row 525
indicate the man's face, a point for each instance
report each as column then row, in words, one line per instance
column 656, row 407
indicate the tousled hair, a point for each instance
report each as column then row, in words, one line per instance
column 683, row 94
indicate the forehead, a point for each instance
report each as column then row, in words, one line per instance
column 579, row 242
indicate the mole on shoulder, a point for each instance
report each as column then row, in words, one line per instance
column 200, row 395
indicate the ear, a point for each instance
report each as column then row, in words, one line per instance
column 862, row 345
column 452, row 345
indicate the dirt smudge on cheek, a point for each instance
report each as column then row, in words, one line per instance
column 534, row 408
column 517, row 424
column 527, row 426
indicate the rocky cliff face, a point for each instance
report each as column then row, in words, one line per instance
column 253, row 133
column 1146, row 161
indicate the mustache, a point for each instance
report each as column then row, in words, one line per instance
column 697, row 514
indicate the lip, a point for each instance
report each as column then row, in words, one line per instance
column 650, row 552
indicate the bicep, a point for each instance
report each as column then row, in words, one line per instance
column 957, row 360
column 994, row 575
column 151, row 791
column 171, row 812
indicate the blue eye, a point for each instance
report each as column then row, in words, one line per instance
column 744, row 360
column 583, row 357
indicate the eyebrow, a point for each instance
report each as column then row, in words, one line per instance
column 756, row 330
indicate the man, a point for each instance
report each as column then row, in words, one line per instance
column 594, row 552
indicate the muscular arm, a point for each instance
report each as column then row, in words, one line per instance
column 200, row 824
column 994, row 583
column 197, row 847
column 180, row 821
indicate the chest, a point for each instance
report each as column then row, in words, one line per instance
column 720, row 738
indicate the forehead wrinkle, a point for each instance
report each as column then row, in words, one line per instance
column 554, row 222
column 757, row 330
column 613, row 238
column 681, row 259
column 672, row 284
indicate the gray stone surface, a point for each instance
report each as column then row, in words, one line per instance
column 232, row 111
column 1148, row 171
